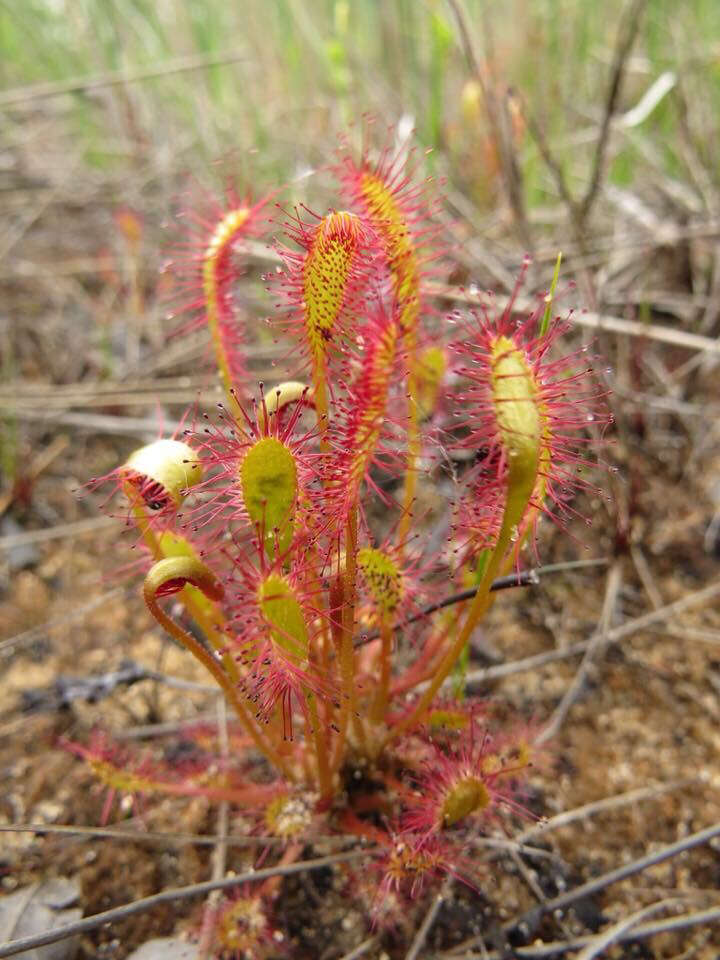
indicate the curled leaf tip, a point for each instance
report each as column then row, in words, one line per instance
column 170, row 575
column 163, row 471
column 285, row 393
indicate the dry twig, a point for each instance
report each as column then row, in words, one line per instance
column 149, row 836
column 361, row 949
column 168, row 896
column 219, row 859
column 627, row 32
column 529, row 920
column 558, row 947
column 610, row 936
column 63, row 530
column 524, row 578
column 592, row 321
column 497, row 111
column 428, row 920
column 597, row 642
column 696, row 599
column 630, row 797
column 72, row 616
column 42, row 91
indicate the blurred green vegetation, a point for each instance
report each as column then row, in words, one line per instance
column 305, row 70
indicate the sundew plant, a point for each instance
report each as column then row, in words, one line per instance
column 291, row 527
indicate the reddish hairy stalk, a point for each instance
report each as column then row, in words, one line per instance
column 170, row 576
column 423, row 667
column 156, row 479
column 140, row 775
column 209, row 270
column 362, row 419
column 398, row 211
column 363, row 414
column 344, row 594
column 388, row 593
column 570, row 408
column 324, row 283
column 274, row 623
column 522, row 413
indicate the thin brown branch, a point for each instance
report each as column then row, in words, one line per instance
column 498, row 117
column 168, row 896
column 530, row 880
column 627, row 33
column 43, row 91
column 601, row 806
column 571, row 205
column 361, row 949
column 164, row 839
column 613, row 934
column 592, row 321
column 598, row 642
column 219, row 858
column 524, row 578
column 557, row 947
column 530, row 919
column 59, row 532
column 72, row 615
column 556, row 170
column 146, row 731
column 428, row 920
column 615, row 635
column 145, row 429
column 499, row 847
